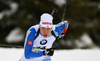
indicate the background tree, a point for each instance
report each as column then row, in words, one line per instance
column 83, row 17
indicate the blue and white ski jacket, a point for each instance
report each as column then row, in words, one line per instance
column 32, row 48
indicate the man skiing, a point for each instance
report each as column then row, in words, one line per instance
column 39, row 39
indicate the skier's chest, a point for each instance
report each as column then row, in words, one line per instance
column 40, row 41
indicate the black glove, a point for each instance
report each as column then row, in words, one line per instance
column 61, row 36
column 49, row 52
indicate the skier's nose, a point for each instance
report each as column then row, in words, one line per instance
column 45, row 31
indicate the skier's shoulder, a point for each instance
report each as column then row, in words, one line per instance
column 35, row 27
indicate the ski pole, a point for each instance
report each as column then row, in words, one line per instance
column 64, row 11
column 63, row 15
column 54, row 10
column 14, row 46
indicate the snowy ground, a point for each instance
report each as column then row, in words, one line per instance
column 13, row 54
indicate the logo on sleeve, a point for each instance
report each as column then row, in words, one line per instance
column 29, row 42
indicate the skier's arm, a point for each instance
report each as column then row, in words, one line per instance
column 61, row 28
column 29, row 41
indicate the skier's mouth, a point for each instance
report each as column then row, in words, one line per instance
column 45, row 35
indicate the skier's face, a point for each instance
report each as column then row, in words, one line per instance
column 45, row 31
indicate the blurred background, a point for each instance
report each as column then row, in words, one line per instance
column 17, row 16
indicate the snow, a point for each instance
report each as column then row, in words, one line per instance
column 76, row 55
column 14, row 54
column 1, row 15
column 16, row 35
column 99, row 6
column 85, row 40
column 60, row 3
column 13, row 7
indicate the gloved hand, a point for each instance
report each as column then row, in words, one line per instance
column 61, row 36
column 49, row 52
column 64, row 24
